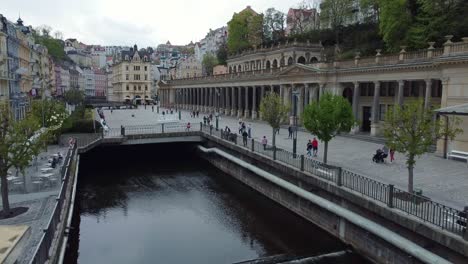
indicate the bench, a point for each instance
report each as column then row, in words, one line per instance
column 460, row 155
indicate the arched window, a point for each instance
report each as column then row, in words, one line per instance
column 313, row 60
column 290, row 61
column 239, row 68
column 268, row 65
column 275, row 64
column 301, row 60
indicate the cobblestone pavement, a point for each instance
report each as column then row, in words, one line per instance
column 443, row 180
column 39, row 198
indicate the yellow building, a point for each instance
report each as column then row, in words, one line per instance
column 131, row 80
column 188, row 68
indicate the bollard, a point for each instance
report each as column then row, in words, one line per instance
column 302, row 162
column 274, row 152
column 253, row 145
column 157, row 109
column 390, row 196
column 201, row 126
column 122, row 131
column 162, row 128
column 339, row 177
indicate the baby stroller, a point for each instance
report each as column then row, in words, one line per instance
column 379, row 156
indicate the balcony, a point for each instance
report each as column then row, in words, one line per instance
column 6, row 75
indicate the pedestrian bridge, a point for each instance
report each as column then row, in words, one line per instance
column 417, row 229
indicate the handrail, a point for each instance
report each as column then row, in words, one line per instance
column 419, row 206
column 42, row 251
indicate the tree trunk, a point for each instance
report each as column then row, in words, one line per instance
column 273, row 139
column 4, row 190
column 410, row 178
column 325, row 152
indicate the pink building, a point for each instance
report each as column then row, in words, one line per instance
column 100, row 83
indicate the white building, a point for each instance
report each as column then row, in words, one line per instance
column 89, row 82
column 211, row 43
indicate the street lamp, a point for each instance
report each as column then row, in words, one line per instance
column 217, row 111
column 178, row 103
column 295, row 100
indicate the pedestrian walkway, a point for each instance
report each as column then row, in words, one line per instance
column 36, row 189
column 445, row 181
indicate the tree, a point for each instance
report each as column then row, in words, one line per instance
column 208, row 62
column 50, row 113
column 336, row 13
column 74, row 97
column 411, row 130
column 329, row 117
column 274, row 112
column 222, row 54
column 245, row 30
column 274, row 25
column 20, row 141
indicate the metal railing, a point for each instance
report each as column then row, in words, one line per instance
column 421, row 207
column 42, row 252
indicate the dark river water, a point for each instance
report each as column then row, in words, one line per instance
column 161, row 204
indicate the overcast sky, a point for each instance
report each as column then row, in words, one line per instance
column 144, row 22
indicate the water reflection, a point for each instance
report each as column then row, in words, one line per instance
column 165, row 209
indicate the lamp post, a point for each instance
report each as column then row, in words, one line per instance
column 217, row 108
column 295, row 98
column 178, row 103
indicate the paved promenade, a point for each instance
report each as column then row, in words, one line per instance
column 36, row 190
column 443, row 180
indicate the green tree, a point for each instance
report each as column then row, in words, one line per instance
column 74, row 97
column 411, row 130
column 208, row 63
column 274, row 112
column 20, row 141
column 245, row 30
column 336, row 13
column 329, row 117
column 273, row 25
column 49, row 113
column 222, row 54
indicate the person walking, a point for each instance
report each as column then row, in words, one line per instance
column 290, row 131
column 152, row 108
column 309, row 148
column 244, row 137
column 188, row 127
column 314, row 147
column 249, row 130
column 204, row 120
column 264, row 142
column 240, row 128
column 392, row 154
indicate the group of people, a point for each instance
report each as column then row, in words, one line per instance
column 194, row 114
column 206, row 119
column 245, row 131
column 381, row 154
column 312, row 148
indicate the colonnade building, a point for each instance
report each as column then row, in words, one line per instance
column 300, row 74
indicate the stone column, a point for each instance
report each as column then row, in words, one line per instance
column 356, row 94
column 254, row 103
column 246, row 109
column 427, row 96
column 262, row 95
column 375, row 110
column 400, row 94
column 233, row 101
column 321, row 90
column 199, row 99
column 313, row 94
column 287, row 95
column 306, row 94
column 239, row 102
column 282, row 92
column 300, row 102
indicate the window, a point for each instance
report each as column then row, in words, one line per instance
column 363, row 90
column 136, row 77
column 391, row 89
column 415, row 89
column 146, row 87
column 126, row 77
column 139, row 87
column 126, row 68
column 128, row 88
column 146, row 68
column 146, row 77
column 384, row 89
column 134, row 87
